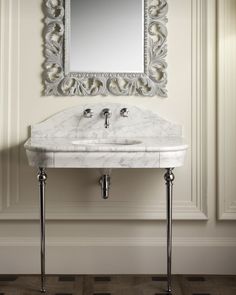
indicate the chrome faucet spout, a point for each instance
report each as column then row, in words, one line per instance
column 106, row 113
column 107, row 123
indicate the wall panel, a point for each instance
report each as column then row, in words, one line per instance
column 226, row 109
column 19, row 188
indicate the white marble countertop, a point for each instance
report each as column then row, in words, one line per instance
column 143, row 144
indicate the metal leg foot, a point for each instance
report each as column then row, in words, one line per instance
column 42, row 177
column 43, row 281
column 169, row 178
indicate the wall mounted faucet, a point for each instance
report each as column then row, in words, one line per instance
column 88, row 113
column 106, row 113
column 124, row 113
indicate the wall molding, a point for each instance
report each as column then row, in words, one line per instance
column 112, row 213
column 10, row 103
column 119, row 242
column 2, row 29
column 226, row 107
column 199, row 102
column 12, row 208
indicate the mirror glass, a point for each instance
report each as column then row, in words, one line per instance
column 106, row 36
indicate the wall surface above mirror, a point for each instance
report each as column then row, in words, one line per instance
column 105, row 47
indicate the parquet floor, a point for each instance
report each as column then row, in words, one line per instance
column 118, row 285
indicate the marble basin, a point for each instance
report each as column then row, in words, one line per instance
column 69, row 140
column 108, row 141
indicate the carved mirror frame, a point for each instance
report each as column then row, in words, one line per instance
column 59, row 82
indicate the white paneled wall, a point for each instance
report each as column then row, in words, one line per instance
column 125, row 234
column 226, row 108
column 23, row 105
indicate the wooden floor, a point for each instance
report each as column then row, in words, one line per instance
column 118, row 285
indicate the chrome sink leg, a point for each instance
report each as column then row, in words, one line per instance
column 169, row 178
column 42, row 177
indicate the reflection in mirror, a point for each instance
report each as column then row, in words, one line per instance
column 106, row 36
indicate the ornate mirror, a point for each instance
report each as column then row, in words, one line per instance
column 105, row 47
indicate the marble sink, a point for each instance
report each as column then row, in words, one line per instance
column 106, row 141
column 141, row 140
column 106, row 136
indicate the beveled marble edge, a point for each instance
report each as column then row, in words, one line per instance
column 156, row 144
column 171, row 159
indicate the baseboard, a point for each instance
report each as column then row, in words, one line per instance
column 119, row 256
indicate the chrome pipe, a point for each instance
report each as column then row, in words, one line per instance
column 42, row 177
column 169, row 178
column 105, row 182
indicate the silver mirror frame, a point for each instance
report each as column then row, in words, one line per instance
column 59, row 82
